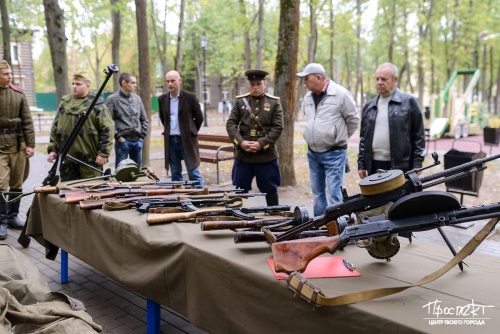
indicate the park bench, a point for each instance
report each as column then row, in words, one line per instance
column 214, row 149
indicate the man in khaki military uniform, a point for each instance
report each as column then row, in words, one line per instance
column 93, row 144
column 254, row 126
column 17, row 143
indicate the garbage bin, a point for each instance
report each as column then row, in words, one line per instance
column 453, row 158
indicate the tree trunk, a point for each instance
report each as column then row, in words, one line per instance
column 359, row 70
column 392, row 31
column 246, row 36
column 144, row 73
column 116, row 21
column 260, row 34
column 313, row 34
column 161, row 45
column 497, row 97
column 178, row 57
column 331, row 64
column 285, row 79
column 54, row 19
column 5, row 32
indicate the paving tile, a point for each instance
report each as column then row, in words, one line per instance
column 130, row 321
column 107, row 321
column 114, row 312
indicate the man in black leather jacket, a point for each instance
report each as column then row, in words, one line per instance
column 392, row 130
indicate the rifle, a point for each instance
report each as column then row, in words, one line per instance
column 186, row 204
column 155, row 218
column 412, row 184
column 294, row 255
column 151, row 200
column 144, row 204
column 75, row 197
column 257, row 236
column 53, row 176
column 300, row 215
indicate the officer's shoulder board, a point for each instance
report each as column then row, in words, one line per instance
column 272, row 96
column 16, row 89
column 243, row 95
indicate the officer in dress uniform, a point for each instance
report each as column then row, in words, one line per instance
column 17, row 143
column 254, row 126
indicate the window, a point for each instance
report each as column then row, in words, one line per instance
column 14, row 53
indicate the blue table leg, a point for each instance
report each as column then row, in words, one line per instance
column 64, row 266
column 153, row 317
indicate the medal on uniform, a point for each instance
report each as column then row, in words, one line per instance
column 253, row 133
column 267, row 107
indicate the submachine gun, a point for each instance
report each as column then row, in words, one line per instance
column 381, row 188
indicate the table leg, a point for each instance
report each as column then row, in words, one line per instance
column 64, row 266
column 153, row 317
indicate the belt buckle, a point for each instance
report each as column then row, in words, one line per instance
column 6, row 131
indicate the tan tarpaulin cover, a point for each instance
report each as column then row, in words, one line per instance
column 28, row 306
column 224, row 287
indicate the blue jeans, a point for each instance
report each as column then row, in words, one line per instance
column 326, row 169
column 132, row 148
column 176, row 155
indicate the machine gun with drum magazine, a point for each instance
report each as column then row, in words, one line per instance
column 384, row 187
column 437, row 209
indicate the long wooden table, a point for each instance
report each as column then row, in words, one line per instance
column 222, row 287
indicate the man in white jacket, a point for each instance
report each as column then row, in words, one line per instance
column 331, row 118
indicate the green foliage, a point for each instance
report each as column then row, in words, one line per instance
column 452, row 40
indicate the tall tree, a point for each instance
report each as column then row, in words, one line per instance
column 180, row 33
column 260, row 34
column 116, row 21
column 144, row 72
column 313, row 33
column 5, row 31
column 246, row 35
column 56, row 35
column 286, row 67
column 161, row 43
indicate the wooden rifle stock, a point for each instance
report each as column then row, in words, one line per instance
column 76, row 197
column 295, row 255
column 156, row 218
column 233, row 224
column 97, row 204
column 90, row 204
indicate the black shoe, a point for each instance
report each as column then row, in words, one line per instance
column 3, row 231
column 14, row 223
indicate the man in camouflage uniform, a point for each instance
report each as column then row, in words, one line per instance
column 17, row 143
column 94, row 142
column 254, row 126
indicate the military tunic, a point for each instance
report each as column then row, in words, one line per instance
column 95, row 138
column 263, row 123
column 15, row 119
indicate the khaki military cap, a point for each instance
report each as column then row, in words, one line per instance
column 256, row 75
column 81, row 76
column 4, row 65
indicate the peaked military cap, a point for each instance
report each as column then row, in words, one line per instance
column 81, row 76
column 256, row 75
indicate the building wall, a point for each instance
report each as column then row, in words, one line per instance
column 22, row 67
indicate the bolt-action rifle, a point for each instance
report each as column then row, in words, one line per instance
column 244, row 213
column 412, row 183
column 145, row 204
column 295, row 255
